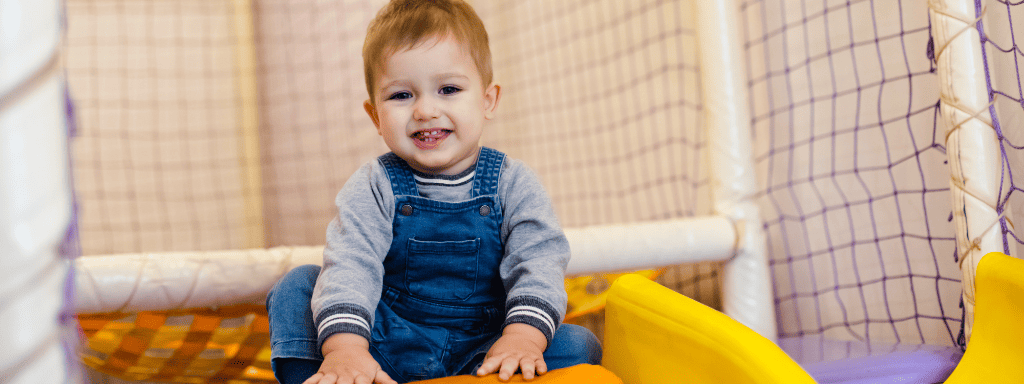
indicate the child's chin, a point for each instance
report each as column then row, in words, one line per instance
column 431, row 165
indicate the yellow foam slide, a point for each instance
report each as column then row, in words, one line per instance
column 655, row 335
column 995, row 353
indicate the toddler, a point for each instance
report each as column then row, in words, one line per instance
column 445, row 257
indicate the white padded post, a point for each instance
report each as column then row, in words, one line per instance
column 35, row 202
column 746, row 281
column 972, row 147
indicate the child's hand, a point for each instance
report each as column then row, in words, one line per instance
column 520, row 346
column 347, row 360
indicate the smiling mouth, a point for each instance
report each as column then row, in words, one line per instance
column 430, row 139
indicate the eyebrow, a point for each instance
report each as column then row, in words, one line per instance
column 449, row 75
column 388, row 85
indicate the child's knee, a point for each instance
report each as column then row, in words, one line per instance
column 297, row 282
column 577, row 344
column 305, row 273
column 292, row 332
column 587, row 343
column 302, row 276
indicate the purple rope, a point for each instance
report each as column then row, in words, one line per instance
column 69, row 249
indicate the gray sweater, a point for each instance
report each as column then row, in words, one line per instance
column 358, row 239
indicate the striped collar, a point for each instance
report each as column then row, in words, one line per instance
column 445, row 180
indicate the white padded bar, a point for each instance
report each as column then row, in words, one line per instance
column 746, row 280
column 658, row 244
column 972, row 147
column 166, row 281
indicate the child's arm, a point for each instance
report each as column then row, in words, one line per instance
column 520, row 346
column 533, row 271
column 348, row 287
column 347, row 360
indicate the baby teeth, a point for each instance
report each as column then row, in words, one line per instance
column 429, row 135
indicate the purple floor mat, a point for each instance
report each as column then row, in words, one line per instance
column 854, row 362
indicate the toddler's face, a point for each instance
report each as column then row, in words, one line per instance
column 431, row 106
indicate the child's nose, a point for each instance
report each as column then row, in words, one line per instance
column 425, row 109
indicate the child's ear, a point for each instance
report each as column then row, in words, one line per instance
column 491, row 98
column 372, row 111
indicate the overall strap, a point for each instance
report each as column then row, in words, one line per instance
column 488, row 169
column 400, row 175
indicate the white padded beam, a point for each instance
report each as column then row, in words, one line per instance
column 166, row 281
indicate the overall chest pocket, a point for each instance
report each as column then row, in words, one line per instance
column 442, row 270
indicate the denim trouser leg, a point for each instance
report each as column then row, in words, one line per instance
column 292, row 332
column 572, row 345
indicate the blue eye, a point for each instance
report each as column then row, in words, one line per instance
column 400, row 96
column 450, row 90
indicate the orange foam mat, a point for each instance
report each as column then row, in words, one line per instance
column 580, row 374
column 199, row 346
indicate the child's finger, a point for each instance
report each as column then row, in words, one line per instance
column 528, row 367
column 508, row 368
column 326, row 378
column 490, row 364
column 383, row 378
column 542, row 366
column 314, row 379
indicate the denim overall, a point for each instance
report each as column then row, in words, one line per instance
column 442, row 303
column 443, row 300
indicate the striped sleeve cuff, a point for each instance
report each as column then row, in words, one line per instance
column 342, row 318
column 532, row 311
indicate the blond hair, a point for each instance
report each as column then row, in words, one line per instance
column 404, row 23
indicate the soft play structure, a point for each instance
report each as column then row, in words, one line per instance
column 806, row 188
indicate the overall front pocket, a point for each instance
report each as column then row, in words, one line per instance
column 442, row 270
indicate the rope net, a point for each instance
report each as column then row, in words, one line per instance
column 601, row 97
column 851, row 157
column 1004, row 59
column 851, row 160
column 157, row 156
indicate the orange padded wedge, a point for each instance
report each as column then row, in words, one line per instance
column 654, row 335
column 580, row 374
